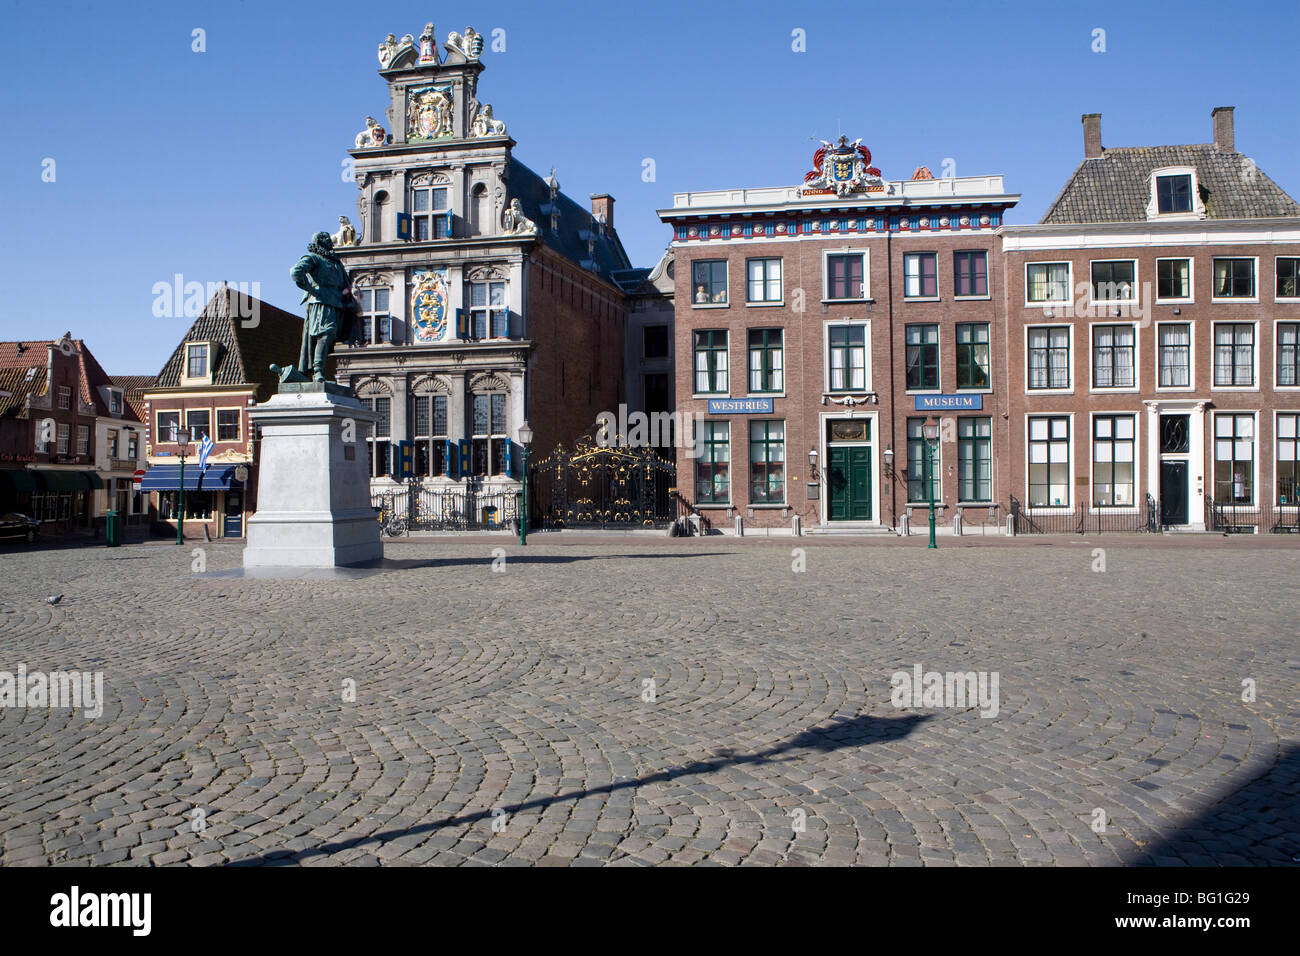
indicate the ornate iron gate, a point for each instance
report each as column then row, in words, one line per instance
column 592, row 486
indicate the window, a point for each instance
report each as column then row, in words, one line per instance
column 196, row 361
column 712, row 481
column 1234, row 278
column 655, row 341
column 709, row 278
column 374, row 315
column 198, row 505
column 1112, row 356
column 974, row 459
column 489, row 316
column 844, row 272
column 131, row 445
column 1049, row 357
column 83, row 439
column 765, row 361
column 227, row 424
column 1174, row 193
column 112, row 442
column 917, row 453
column 65, row 397
column 1114, row 281
column 920, row 275
column 767, row 463
column 1288, row 353
column 168, row 423
column 973, row 355
column 1113, row 460
column 1047, row 282
column 848, row 357
column 199, row 423
column 1175, row 355
column 114, row 402
column 1288, row 458
column 711, row 362
column 1234, row 353
column 1173, row 278
column 377, row 441
column 1049, row 462
column 970, row 273
column 62, row 435
column 430, row 217
column 430, row 434
column 1288, row 277
column 922, row 356
column 764, row 280
column 489, row 437
column 1234, row 458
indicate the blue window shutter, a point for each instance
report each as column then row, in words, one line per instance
column 510, row 458
column 452, row 456
column 510, row 321
column 466, row 457
column 447, row 233
column 462, row 326
column 403, row 226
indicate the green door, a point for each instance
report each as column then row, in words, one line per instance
column 849, row 478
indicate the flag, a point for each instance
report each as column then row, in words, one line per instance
column 205, row 449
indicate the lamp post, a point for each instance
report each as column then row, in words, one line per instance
column 182, row 442
column 812, row 464
column 525, row 439
column 931, row 432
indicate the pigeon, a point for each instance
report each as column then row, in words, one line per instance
column 54, row 599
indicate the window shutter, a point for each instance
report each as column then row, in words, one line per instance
column 403, row 226
column 510, row 458
column 447, row 230
column 510, row 325
column 466, row 458
column 462, row 324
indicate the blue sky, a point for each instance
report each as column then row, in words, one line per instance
column 219, row 165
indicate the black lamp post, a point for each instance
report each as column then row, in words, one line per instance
column 931, row 432
column 183, row 443
column 525, row 440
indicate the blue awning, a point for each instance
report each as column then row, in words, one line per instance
column 167, row 478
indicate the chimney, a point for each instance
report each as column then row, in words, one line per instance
column 602, row 207
column 1091, row 135
column 1224, row 137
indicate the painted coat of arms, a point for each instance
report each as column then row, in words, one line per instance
column 841, row 168
column 429, row 306
column 429, row 114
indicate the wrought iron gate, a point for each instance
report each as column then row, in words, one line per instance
column 590, row 486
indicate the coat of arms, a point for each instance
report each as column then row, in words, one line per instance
column 429, row 306
column 841, row 168
column 429, row 114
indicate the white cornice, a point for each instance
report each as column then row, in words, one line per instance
column 1110, row 234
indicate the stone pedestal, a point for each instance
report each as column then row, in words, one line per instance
column 313, row 490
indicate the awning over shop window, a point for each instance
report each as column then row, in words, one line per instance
column 167, row 478
column 17, row 480
column 49, row 480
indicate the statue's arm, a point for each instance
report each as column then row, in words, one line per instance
column 304, row 274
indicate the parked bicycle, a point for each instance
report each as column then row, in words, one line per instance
column 389, row 522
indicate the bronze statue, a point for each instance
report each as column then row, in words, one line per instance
column 331, row 309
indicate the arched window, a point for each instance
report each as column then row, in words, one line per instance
column 481, row 210
column 377, row 214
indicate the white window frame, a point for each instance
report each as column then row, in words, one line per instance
column 1276, row 297
column 1234, row 300
column 1137, row 359
column 1133, row 299
column 1259, row 372
column 866, row 274
column 1069, row 505
column 1069, row 284
column 826, row 356
column 64, row 397
column 239, row 422
column 1137, row 460
column 1191, row 356
column 1191, row 280
column 1070, row 361
column 1153, row 202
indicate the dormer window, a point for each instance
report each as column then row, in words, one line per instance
column 1175, row 193
column 114, row 402
column 196, row 361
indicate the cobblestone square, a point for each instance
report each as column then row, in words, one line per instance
column 645, row 701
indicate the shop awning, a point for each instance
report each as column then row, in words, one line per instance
column 17, row 480
column 50, row 480
column 167, row 478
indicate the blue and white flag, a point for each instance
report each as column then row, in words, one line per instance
column 205, row 449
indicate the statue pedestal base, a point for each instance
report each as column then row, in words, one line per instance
column 313, row 489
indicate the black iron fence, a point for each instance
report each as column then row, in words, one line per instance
column 689, row 520
column 602, row 486
column 1230, row 517
column 1086, row 519
column 431, row 509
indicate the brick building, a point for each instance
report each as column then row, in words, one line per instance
column 218, row 370
column 819, row 326
column 1153, row 341
column 491, row 298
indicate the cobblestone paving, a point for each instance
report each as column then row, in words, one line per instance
column 499, row 716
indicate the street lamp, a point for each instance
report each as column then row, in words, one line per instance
column 812, row 464
column 525, row 439
column 931, row 432
column 182, row 442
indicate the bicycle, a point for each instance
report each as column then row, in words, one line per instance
column 390, row 523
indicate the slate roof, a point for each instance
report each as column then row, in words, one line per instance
column 1115, row 187
column 247, row 350
column 16, row 382
column 575, row 223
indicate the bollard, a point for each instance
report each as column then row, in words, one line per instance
column 796, row 528
column 740, row 526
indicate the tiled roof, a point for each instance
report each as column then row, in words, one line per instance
column 24, row 354
column 247, row 349
column 133, row 389
column 20, row 382
column 575, row 223
column 1116, row 186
